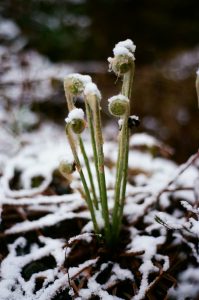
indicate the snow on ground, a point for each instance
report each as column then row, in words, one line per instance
column 38, row 153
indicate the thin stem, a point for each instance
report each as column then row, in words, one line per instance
column 119, row 177
column 100, row 156
column 89, row 171
column 128, row 82
column 126, row 91
column 123, row 189
column 125, row 172
column 92, row 133
column 122, row 161
column 69, row 100
column 71, row 106
column 79, row 169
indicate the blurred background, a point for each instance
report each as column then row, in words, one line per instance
column 42, row 41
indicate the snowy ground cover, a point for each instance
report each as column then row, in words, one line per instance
column 157, row 190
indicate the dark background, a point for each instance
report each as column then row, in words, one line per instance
column 85, row 31
column 158, row 28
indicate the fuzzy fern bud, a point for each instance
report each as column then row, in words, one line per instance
column 76, row 120
column 78, row 126
column 123, row 58
column 118, row 105
column 66, row 168
column 120, row 64
column 75, row 83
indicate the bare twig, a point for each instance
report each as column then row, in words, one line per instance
column 181, row 170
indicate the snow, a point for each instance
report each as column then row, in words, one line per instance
column 171, row 222
column 8, row 29
column 75, row 270
column 91, row 89
column 39, row 72
column 76, row 113
column 120, row 51
column 11, row 277
column 188, row 285
column 46, row 221
column 119, row 97
column 188, row 176
column 154, row 185
column 189, row 207
column 193, row 226
column 143, row 139
column 149, row 245
column 127, row 44
column 120, row 274
column 40, row 155
column 85, row 79
column 94, row 288
column 85, row 237
column 120, row 123
column 41, row 199
column 126, row 48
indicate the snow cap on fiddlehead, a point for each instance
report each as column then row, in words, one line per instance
column 123, row 57
column 92, row 94
column 76, row 120
column 75, row 83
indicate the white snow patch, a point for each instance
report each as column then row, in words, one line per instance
column 76, row 113
column 149, row 245
column 92, row 89
column 189, row 207
column 143, row 139
column 125, row 48
column 8, row 29
column 119, row 50
column 127, row 44
column 119, row 97
column 83, row 237
column 188, row 284
column 83, row 78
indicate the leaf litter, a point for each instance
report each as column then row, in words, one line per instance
column 47, row 246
